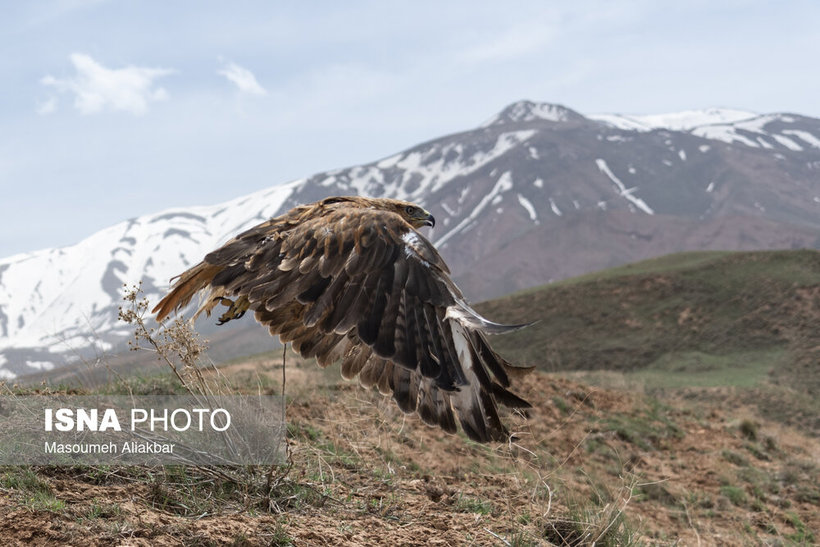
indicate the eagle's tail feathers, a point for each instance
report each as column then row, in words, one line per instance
column 188, row 284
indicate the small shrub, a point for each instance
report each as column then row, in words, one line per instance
column 770, row 444
column 561, row 404
column 656, row 491
column 735, row 458
column 749, row 429
column 735, row 494
column 757, row 452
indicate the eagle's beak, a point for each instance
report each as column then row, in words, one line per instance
column 428, row 220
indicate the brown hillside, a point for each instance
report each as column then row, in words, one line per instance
column 589, row 463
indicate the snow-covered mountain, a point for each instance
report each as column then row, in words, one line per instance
column 538, row 192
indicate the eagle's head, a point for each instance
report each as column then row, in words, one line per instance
column 413, row 214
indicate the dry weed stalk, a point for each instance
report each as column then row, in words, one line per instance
column 181, row 348
column 175, row 340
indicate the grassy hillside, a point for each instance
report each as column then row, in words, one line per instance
column 707, row 318
column 692, row 324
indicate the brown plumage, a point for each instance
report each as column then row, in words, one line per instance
column 350, row 279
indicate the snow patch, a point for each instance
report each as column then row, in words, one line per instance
column 503, row 184
column 76, row 290
column 682, row 154
column 526, row 204
column 788, row 143
column 764, row 143
column 725, row 133
column 726, row 125
column 427, row 170
column 538, row 183
column 710, row 188
column 804, row 136
column 527, row 111
column 676, row 121
column 555, row 208
column 740, row 131
column 40, row 365
column 622, row 190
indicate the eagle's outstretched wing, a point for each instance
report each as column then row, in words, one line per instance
column 357, row 283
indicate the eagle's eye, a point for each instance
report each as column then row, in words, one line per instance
column 409, row 209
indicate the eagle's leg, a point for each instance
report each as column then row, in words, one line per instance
column 236, row 309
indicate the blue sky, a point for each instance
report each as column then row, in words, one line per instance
column 114, row 109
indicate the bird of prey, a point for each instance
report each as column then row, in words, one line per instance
column 351, row 279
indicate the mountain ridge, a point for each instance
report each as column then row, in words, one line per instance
column 581, row 192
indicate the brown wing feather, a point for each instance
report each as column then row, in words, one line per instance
column 189, row 283
column 346, row 279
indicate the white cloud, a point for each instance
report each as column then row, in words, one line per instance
column 97, row 88
column 243, row 79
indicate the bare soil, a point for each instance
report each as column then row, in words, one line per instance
column 587, row 464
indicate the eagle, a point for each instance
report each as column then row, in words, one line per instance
column 351, row 279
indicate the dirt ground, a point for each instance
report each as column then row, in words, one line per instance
column 589, row 465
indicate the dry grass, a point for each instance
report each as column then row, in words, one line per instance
column 602, row 466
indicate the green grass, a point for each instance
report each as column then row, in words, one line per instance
column 654, row 266
column 698, row 369
column 22, row 479
column 647, row 427
column 735, row 458
column 735, row 494
column 690, row 319
column 103, row 510
column 34, row 492
column 802, row 534
column 562, row 404
column 44, row 501
column 469, row 504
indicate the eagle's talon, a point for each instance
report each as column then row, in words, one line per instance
column 236, row 309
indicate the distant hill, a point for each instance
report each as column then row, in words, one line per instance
column 703, row 319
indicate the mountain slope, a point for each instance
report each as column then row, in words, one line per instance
column 537, row 193
column 692, row 319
